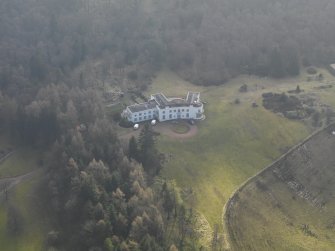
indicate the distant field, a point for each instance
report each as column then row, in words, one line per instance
column 22, row 197
column 20, row 162
column 291, row 205
column 32, row 222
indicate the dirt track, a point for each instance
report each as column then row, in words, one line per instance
column 7, row 156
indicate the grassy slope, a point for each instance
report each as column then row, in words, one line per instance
column 233, row 143
column 22, row 198
column 34, row 226
column 272, row 218
column 22, row 161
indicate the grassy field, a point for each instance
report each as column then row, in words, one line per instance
column 272, row 216
column 269, row 214
column 33, row 225
column 22, row 198
column 233, row 143
column 22, row 161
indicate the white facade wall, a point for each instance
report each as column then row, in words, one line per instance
column 167, row 113
column 182, row 112
column 148, row 114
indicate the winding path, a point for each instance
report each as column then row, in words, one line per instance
column 7, row 156
column 9, row 183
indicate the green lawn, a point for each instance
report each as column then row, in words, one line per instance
column 22, row 161
column 234, row 142
column 33, row 223
column 272, row 216
column 23, row 199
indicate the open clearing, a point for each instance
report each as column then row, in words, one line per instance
column 20, row 162
column 32, row 223
column 20, row 175
column 289, row 206
column 235, row 141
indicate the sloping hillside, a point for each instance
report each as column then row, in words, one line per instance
column 290, row 205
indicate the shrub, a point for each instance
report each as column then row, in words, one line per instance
column 254, row 105
column 243, row 88
column 117, row 117
column 132, row 75
column 292, row 115
column 53, row 238
column 125, row 123
column 267, row 95
column 298, row 90
column 311, row 70
column 316, row 118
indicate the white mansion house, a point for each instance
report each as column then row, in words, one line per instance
column 163, row 108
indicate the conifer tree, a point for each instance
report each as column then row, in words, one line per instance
column 133, row 149
column 149, row 155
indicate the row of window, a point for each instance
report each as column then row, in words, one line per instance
column 163, row 117
column 154, row 112
column 144, row 118
column 182, row 116
column 144, row 113
column 170, row 111
column 179, row 110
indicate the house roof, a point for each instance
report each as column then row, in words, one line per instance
column 143, row 106
column 160, row 99
column 192, row 98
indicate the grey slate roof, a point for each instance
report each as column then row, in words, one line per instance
column 143, row 106
column 193, row 98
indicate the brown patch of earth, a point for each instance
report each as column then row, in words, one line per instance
column 165, row 129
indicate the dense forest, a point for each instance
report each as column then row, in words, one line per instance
column 207, row 42
column 56, row 57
